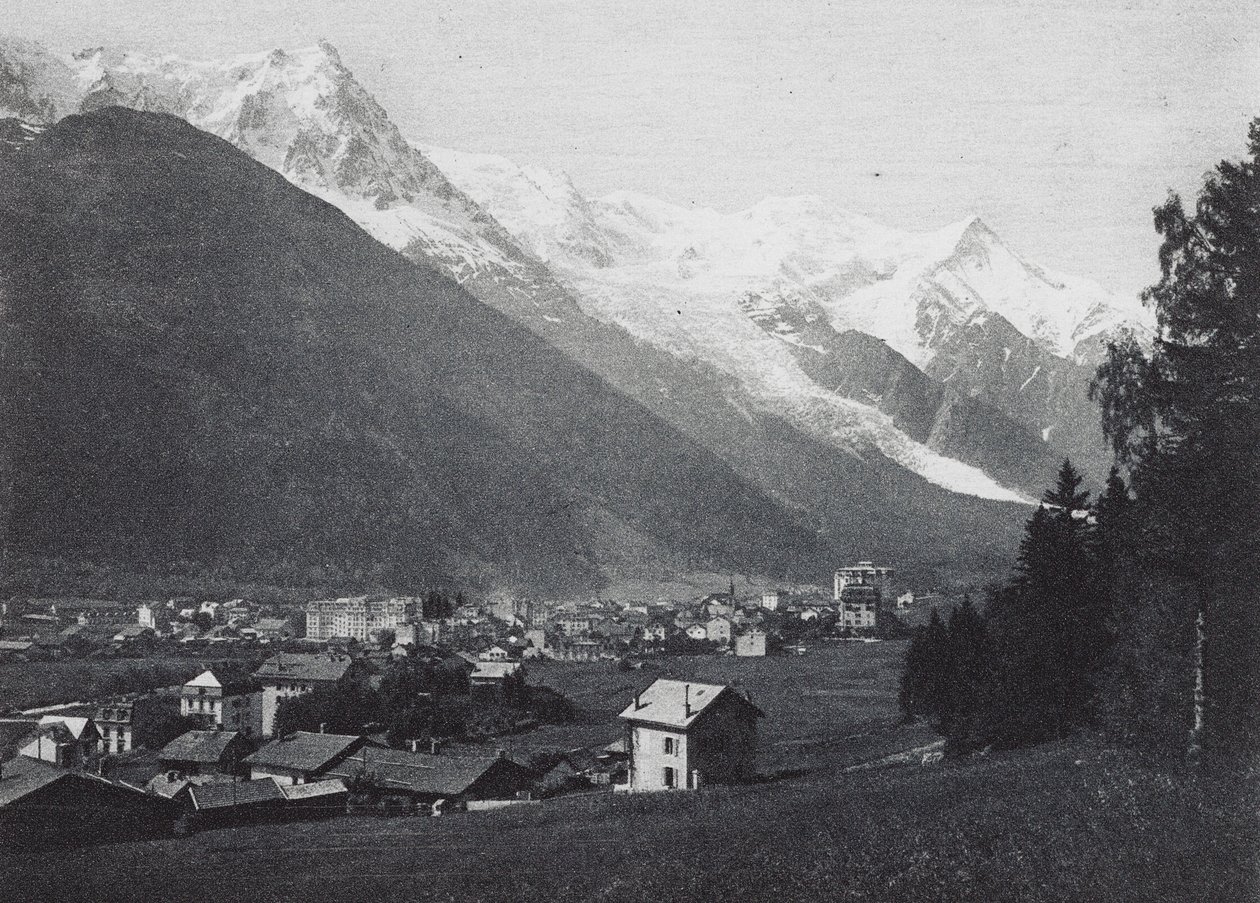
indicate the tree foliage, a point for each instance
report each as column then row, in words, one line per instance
column 1184, row 418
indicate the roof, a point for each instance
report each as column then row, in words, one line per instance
column 198, row 746
column 494, row 670
column 16, row 645
column 305, row 666
column 204, row 679
column 304, row 751
column 313, row 789
column 440, row 775
column 270, row 624
column 236, row 793
column 76, row 726
column 21, row 777
column 677, row 703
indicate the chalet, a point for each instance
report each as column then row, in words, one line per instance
column 232, row 802
column 293, row 674
column 654, row 633
column 301, row 757
column 493, row 654
column 492, row 674
column 751, row 644
column 425, row 778
column 232, row 706
column 63, row 740
column 135, row 637
column 269, row 630
column 42, row 805
column 686, row 735
column 204, row 752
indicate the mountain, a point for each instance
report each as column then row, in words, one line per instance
column 207, row 367
column 986, row 357
column 879, row 458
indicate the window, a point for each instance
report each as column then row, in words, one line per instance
column 669, row 746
column 670, row 779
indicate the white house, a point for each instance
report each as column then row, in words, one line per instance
column 235, row 706
column 771, row 601
column 684, row 735
column 718, row 630
column 751, row 644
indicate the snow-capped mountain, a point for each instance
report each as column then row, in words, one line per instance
column 761, row 291
column 775, row 302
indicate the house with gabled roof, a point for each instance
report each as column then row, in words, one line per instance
column 303, row 756
column 63, row 740
column 684, row 735
column 426, row 778
column 204, row 752
column 42, row 805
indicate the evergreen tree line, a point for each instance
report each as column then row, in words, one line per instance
column 1139, row 614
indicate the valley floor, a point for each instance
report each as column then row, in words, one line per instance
column 1068, row 822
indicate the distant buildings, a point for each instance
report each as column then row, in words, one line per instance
column 861, row 592
column 685, row 735
column 772, row 601
column 356, row 617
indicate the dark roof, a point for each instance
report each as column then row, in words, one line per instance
column 198, row 746
column 440, row 775
column 304, row 751
column 13, row 735
column 22, row 777
column 304, row 666
column 237, row 793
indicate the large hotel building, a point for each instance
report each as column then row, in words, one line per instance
column 356, row 617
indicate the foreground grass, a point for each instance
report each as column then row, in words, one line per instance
column 1061, row 823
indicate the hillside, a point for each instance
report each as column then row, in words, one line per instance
column 207, row 367
column 1067, row 823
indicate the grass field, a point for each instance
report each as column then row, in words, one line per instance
column 1060, row 823
column 837, row 704
column 31, row 684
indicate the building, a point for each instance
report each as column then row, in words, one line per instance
column 771, row 601
column 119, row 720
column 718, row 630
column 43, row 806
column 235, row 706
column 865, row 574
column 492, row 674
column 292, row 674
column 62, row 740
column 751, row 644
column 154, row 615
column 204, row 753
column 685, row 735
column 426, row 778
column 859, row 607
column 301, row 757
column 494, row 654
column 356, row 617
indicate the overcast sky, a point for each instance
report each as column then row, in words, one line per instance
column 1061, row 125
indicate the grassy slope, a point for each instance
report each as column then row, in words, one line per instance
column 1059, row 823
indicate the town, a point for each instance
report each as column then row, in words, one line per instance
column 274, row 723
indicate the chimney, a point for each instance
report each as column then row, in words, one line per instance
column 434, row 746
column 687, row 700
column 638, row 705
column 415, row 746
column 323, row 727
column 500, row 753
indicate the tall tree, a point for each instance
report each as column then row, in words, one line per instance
column 1185, row 419
column 1045, row 624
column 969, row 672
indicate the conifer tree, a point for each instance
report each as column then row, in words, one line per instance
column 968, row 678
column 1185, row 419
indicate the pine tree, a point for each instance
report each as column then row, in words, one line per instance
column 925, row 673
column 1185, row 420
column 968, row 678
column 1044, row 626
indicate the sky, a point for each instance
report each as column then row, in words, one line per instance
column 1059, row 123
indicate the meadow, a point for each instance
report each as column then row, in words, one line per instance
column 836, row 704
column 1067, row 822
